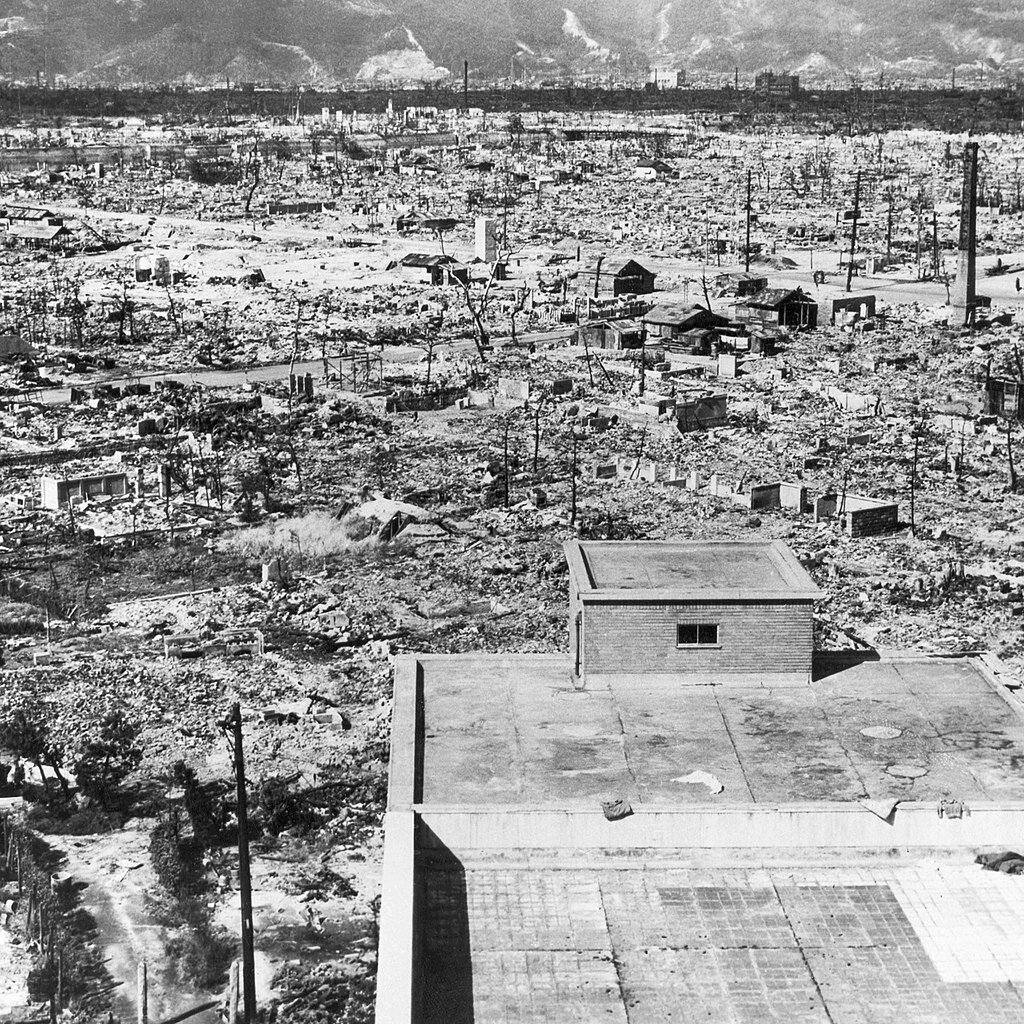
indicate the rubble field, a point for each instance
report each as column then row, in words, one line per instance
column 280, row 402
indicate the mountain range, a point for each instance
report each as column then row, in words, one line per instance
column 329, row 42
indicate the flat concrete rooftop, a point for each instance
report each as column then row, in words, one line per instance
column 901, row 941
column 690, row 568
column 513, row 731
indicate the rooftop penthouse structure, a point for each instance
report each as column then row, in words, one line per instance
column 670, row 831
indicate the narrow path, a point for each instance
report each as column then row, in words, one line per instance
column 117, row 871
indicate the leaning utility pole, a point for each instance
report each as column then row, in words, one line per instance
column 853, row 234
column 746, row 251
column 234, row 722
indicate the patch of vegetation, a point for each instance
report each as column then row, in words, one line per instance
column 310, row 538
column 20, row 617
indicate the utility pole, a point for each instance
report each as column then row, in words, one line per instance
column 572, row 519
column 919, row 201
column 746, row 250
column 234, row 722
column 935, row 245
column 853, row 234
column 888, row 230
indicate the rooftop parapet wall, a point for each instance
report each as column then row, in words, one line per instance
column 842, row 826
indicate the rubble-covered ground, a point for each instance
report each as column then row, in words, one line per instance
column 278, row 547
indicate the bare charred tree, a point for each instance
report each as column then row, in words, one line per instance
column 176, row 322
column 517, row 307
column 477, row 302
column 252, row 170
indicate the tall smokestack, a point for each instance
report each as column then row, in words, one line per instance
column 964, row 295
column 465, row 85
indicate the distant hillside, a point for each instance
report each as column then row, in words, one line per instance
column 329, row 41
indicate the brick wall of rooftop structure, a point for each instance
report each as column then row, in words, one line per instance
column 763, row 637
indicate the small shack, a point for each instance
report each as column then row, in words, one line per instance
column 782, row 307
column 616, row 277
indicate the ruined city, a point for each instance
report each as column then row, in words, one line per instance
column 512, row 549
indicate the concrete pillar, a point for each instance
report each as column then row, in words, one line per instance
column 693, row 480
column 165, row 480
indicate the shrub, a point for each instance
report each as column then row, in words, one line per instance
column 177, row 859
column 109, row 758
column 202, row 954
column 42, row 980
column 278, row 809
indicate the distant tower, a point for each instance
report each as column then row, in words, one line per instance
column 486, row 240
column 964, row 295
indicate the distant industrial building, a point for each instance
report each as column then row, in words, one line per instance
column 665, row 78
column 768, row 83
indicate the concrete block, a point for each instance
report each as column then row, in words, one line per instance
column 765, row 496
column 510, row 388
column 825, row 507
column 794, row 496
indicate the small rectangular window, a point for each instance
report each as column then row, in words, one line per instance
column 697, row 634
